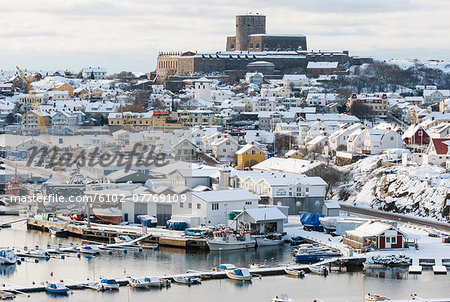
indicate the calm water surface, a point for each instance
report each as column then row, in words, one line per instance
column 336, row 287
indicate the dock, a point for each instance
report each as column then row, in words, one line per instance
column 107, row 233
column 9, row 223
column 438, row 268
column 415, row 268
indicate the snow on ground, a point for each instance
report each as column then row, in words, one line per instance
column 421, row 191
column 408, row 63
column 429, row 247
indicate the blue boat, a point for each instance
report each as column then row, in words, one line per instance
column 313, row 254
column 57, row 288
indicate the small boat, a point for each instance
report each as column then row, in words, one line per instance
column 269, row 240
column 110, row 215
column 58, row 232
column 187, row 280
column 367, row 265
column 108, row 284
column 89, row 249
column 224, row 267
column 7, row 256
column 241, row 274
column 319, row 270
column 122, row 239
column 148, row 282
column 255, row 265
column 375, row 297
column 6, row 295
column 282, row 298
column 229, row 241
column 56, row 288
column 294, row 272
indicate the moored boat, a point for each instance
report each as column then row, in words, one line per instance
column 109, row 215
column 108, row 284
column 256, row 265
column 375, row 297
column 89, row 249
column 148, row 282
column 229, row 241
column 319, row 270
column 6, row 295
column 294, row 272
column 241, row 274
column 187, row 280
column 224, row 267
column 269, row 240
column 7, row 256
column 58, row 232
column 122, row 239
column 57, row 288
column 313, row 254
column 282, row 298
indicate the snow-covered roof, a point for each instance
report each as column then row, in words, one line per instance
column 266, row 213
column 247, row 148
column 315, row 65
column 370, row 229
column 226, row 195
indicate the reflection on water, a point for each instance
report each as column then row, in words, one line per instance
column 388, row 273
column 6, row 270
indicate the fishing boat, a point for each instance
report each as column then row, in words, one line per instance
column 58, row 232
column 241, row 274
column 89, row 249
column 57, row 288
column 122, row 239
column 6, row 295
column 375, row 297
column 7, row 256
column 269, row 240
column 282, row 298
column 224, row 267
column 187, row 280
column 108, row 284
column 294, row 272
column 256, row 265
column 110, row 215
column 319, row 270
column 312, row 254
column 225, row 241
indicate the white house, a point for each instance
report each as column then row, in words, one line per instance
column 435, row 96
column 202, row 89
column 295, row 80
column 316, row 99
column 376, row 140
column 211, row 208
column 224, row 149
column 96, row 73
column 340, row 137
column 355, row 141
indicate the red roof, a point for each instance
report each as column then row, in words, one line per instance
column 439, row 145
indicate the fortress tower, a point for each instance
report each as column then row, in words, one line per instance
column 247, row 25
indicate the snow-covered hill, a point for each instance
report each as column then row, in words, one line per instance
column 408, row 63
column 422, row 191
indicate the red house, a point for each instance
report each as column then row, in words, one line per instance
column 439, row 146
column 416, row 137
column 374, row 234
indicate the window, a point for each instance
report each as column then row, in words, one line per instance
column 199, row 206
column 394, row 240
column 307, row 191
column 248, row 203
column 388, row 239
column 253, row 152
column 181, row 205
column 214, row 206
column 190, row 205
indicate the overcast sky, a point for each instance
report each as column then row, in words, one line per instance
column 127, row 35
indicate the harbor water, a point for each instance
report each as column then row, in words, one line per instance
column 345, row 286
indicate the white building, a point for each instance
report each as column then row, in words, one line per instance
column 375, row 140
column 95, row 73
column 202, row 89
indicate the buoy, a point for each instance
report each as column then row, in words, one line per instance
column 125, row 251
column 19, row 262
column 155, row 248
column 140, row 250
column 110, row 252
column 22, row 259
column 63, row 257
column 2, row 263
column 78, row 255
column 25, row 248
column 36, row 247
column 36, row 260
column 48, row 246
column 47, row 258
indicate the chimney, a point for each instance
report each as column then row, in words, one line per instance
column 224, row 178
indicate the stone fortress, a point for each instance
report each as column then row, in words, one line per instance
column 250, row 50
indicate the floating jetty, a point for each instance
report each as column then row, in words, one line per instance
column 257, row 272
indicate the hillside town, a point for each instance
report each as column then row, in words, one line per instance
column 266, row 138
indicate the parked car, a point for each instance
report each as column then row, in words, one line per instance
column 446, row 239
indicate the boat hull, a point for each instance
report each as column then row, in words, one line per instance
column 313, row 258
column 225, row 246
column 58, row 291
column 233, row 276
column 268, row 242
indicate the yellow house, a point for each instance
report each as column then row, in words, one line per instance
column 293, row 154
column 64, row 87
column 34, row 120
column 249, row 155
column 96, row 93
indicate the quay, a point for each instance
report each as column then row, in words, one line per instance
column 107, row 233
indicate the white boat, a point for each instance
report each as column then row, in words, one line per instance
column 6, row 295
column 241, row 274
column 282, row 298
column 89, row 249
column 270, row 240
column 147, row 282
column 229, row 241
column 187, row 280
column 294, row 272
column 7, row 256
column 38, row 253
column 224, row 267
column 319, row 270
column 122, row 239
column 108, row 284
